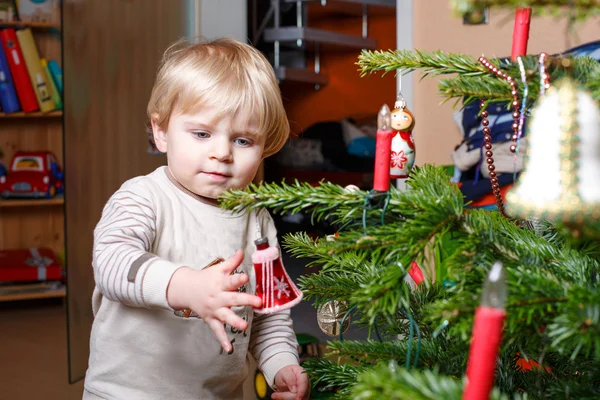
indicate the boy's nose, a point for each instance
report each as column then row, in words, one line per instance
column 221, row 151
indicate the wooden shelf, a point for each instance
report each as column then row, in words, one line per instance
column 37, row 114
column 58, row 200
column 32, row 25
column 33, row 291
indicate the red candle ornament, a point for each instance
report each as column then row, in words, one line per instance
column 383, row 150
column 520, row 33
column 487, row 333
column 415, row 273
column 273, row 284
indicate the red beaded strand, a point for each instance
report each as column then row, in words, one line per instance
column 516, row 114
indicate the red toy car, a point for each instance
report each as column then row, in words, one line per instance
column 32, row 174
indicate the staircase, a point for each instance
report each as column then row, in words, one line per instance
column 280, row 28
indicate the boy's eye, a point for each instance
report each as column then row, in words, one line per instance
column 242, row 142
column 201, row 135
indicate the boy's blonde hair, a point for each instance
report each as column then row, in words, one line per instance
column 233, row 76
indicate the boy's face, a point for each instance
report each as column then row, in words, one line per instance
column 209, row 155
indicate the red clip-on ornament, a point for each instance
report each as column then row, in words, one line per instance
column 273, row 285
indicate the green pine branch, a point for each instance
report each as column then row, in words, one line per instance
column 431, row 352
column 328, row 375
column 370, row 260
column 473, row 81
column 396, row 383
column 432, row 63
column 579, row 9
column 553, row 306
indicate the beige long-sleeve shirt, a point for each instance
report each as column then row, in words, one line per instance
column 139, row 348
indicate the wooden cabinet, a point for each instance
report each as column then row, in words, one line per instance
column 33, row 223
column 111, row 52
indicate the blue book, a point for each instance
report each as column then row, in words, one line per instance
column 56, row 72
column 8, row 95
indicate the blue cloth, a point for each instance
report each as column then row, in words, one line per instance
column 362, row 147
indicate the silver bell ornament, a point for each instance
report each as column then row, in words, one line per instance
column 561, row 177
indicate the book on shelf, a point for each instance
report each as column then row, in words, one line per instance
column 8, row 94
column 39, row 80
column 53, row 89
column 57, row 75
column 18, row 70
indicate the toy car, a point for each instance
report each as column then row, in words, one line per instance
column 32, row 174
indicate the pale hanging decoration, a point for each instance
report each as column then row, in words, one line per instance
column 561, row 178
column 403, row 146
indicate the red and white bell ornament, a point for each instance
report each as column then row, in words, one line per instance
column 403, row 146
column 273, row 285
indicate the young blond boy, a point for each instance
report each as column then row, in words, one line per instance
column 216, row 112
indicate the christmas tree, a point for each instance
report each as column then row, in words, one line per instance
column 537, row 269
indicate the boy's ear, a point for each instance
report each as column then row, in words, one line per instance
column 160, row 136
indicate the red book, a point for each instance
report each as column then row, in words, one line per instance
column 18, row 70
column 27, row 265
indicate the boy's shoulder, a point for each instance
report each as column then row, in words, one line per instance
column 145, row 185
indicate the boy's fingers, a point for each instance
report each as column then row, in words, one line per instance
column 219, row 331
column 231, row 264
column 304, row 385
column 226, row 316
column 283, row 396
column 235, row 281
column 233, row 299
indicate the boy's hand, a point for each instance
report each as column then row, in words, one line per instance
column 211, row 293
column 291, row 383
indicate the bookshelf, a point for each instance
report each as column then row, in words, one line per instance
column 33, row 223
column 37, row 114
column 32, row 291
column 55, row 201
column 33, row 25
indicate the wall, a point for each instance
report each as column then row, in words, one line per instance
column 223, row 18
column 436, row 27
column 347, row 93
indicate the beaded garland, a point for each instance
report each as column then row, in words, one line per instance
column 515, row 95
column 516, row 115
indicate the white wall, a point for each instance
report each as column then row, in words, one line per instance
column 223, row 18
column 404, row 40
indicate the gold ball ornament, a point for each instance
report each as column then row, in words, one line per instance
column 330, row 315
column 561, row 177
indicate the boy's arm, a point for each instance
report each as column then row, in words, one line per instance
column 273, row 343
column 124, row 270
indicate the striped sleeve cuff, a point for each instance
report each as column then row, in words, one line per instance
column 270, row 367
column 154, row 280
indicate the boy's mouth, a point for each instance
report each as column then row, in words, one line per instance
column 217, row 173
column 218, row 176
